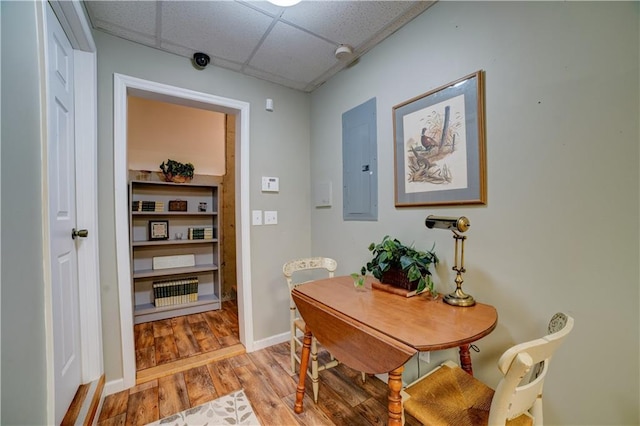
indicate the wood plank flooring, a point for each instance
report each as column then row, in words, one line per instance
column 265, row 376
column 167, row 341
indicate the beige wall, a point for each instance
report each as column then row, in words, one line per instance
column 157, row 131
column 561, row 227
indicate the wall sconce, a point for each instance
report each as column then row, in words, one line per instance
column 456, row 225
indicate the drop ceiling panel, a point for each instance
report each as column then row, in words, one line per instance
column 264, row 6
column 293, row 54
column 225, row 29
column 134, row 21
column 346, row 22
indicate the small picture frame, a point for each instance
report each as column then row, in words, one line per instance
column 158, row 230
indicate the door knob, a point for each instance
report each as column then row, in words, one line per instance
column 79, row 233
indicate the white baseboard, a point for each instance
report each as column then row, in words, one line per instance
column 113, row 386
column 270, row 341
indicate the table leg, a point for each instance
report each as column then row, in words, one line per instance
column 465, row 359
column 304, row 364
column 395, row 400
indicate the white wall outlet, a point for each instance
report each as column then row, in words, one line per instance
column 256, row 217
column 270, row 217
column 270, row 184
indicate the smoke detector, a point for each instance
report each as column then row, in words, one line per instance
column 343, row 51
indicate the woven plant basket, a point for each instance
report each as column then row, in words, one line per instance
column 398, row 278
column 176, row 178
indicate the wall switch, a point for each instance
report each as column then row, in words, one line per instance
column 322, row 195
column 270, row 217
column 256, row 217
column 270, row 184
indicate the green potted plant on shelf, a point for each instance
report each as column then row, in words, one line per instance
column 401, row 266
column 175, row 171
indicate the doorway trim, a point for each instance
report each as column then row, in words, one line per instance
column 124, row 85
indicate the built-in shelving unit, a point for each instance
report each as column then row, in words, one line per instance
column 202, row 212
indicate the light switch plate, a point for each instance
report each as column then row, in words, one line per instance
column 323, row 194
column 256, row 217
column 270, row 217
column 270, row 184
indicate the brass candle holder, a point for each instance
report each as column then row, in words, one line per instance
column 457, row 225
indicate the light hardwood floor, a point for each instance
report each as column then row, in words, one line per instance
column 265, row 376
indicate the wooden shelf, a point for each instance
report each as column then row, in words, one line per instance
column 171, row 242
column 150, row 273
column 149, row 312
column 182, row 185
column 173, row 213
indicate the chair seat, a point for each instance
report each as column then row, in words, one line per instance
column 299, row 324
column 451, row 396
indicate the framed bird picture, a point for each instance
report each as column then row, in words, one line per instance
column 439, row 146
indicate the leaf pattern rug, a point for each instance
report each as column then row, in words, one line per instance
column 232, row 409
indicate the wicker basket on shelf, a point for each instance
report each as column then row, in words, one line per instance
column 398, row 278
column 176, row 178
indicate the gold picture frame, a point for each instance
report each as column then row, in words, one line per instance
column 439, row 146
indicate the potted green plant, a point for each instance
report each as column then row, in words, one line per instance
column 401, row 265
column 175, row 171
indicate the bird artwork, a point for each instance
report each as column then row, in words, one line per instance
column 437, row 141
column 427, row 141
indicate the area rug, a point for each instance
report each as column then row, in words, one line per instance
column 232, row 409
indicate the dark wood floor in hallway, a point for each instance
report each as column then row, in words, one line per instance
column 265, row 376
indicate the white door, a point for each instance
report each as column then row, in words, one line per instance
column 62, row 215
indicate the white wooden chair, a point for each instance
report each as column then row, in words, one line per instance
column 450, row 396
column 297, row 323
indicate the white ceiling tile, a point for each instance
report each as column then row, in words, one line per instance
column 293, row 54
column 345, row 22
column 138, row 17
column 220, row 28
column 147, row 40
column 265, row 6
column 220, row 62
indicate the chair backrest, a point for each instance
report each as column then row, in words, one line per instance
column 305, row 264
column 556, row 323
column 514, row 396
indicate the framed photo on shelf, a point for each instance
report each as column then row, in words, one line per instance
column 439, row 146
column 158, row 230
